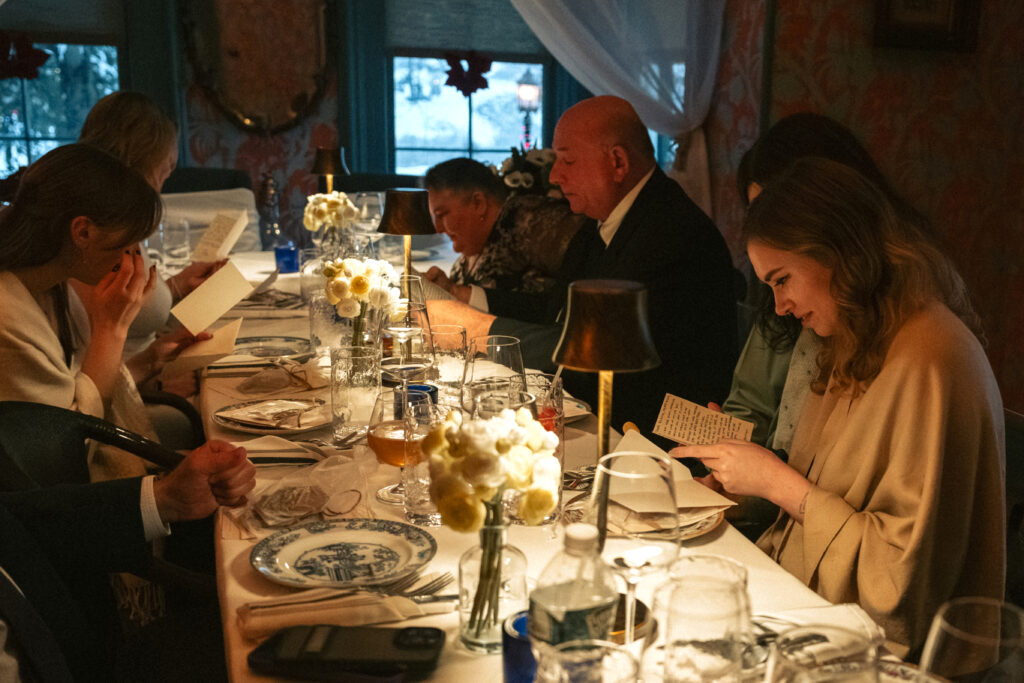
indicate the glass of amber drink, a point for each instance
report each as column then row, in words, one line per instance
column 399, row 421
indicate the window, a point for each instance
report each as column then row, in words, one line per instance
column 46, row 112
column 435, row 122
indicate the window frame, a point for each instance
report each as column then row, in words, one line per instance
column 54, row 38
column 543, row 62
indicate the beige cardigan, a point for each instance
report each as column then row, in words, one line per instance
column 908, row 507
column 33, row 368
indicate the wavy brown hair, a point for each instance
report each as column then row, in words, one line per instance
column 884, row 267
column 70, row 181
column 133, row 128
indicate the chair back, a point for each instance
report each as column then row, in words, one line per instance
column 1014, row 506
column 43, row 445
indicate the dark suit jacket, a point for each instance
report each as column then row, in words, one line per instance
column 59, row 544
column 668, row 244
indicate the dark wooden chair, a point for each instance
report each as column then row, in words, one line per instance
column 198, row 179
column 1014, row 507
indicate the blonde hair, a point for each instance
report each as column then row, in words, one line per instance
column 130, row 126
column 884, row 266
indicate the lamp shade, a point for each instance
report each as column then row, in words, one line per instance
column 329, row 161
column 406, row 212
column 606, row 328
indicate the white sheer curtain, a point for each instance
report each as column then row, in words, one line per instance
column 661, row 55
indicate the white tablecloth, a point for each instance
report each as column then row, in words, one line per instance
column 771, row 588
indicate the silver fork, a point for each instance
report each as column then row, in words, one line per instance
column 430, row 587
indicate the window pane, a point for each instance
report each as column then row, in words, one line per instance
column 416, row 162
column 492, row 157
column 12, row 116
column 13, row 155
column 427, row 114
column 497, row 121
column 69, row 83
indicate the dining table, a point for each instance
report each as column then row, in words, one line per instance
column 770, row 587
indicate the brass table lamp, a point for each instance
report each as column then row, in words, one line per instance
column 606, row 331
column 406, row 213
column 329, row 163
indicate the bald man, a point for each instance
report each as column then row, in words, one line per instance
column 643, row 227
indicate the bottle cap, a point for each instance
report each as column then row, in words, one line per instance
column 580, row 537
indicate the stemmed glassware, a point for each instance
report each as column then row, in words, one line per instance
column 633, row 504
column 399, row 421
column 411, row 354
column 370, row 207
column 494, row 355
column 975, row 639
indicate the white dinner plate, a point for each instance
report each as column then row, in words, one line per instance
column 315, row 413
column 271, row 347
column 343, row 554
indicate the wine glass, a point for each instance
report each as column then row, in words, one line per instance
column 399, row 421
column 484, row 398
column 411, row 354
column 450, row 351
column 975, row 639
column 633, row 504
column 370, row 208
column 494, row 355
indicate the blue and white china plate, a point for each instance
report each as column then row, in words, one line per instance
column 343, row 554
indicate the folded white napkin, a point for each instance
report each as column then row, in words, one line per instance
column 848, row 615
column 317, row 606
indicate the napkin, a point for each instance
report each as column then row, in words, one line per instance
column 694, row 500
column 331, row 606
column 273, row 450
column 850, row 616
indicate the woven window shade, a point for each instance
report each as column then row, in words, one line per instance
column 492, row 26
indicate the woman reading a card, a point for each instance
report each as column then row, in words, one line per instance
column 78, row 213
column 893, row 494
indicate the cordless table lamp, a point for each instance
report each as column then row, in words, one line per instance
column 406, row 213
column 329, row 163
column 606, row 331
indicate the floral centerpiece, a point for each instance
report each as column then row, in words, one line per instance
column 332, row 213
column 472, row 464
column 355, row 287
column 528, row 172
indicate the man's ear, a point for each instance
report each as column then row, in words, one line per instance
column 479, row 201
column 83, row 231
column 620, row 162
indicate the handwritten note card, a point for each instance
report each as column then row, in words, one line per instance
column 691, row 424
column 221, row 235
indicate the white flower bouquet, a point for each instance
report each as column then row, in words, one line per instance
column 354, row 286
column 528, row 172
column 472, row 464
column 332, row 210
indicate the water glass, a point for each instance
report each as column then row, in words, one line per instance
column 355, row 383
column 973, row 639
column 822, row 653
column 176, row 244
column 311, row 275
column 494, row 356
column 450, row 354
column 325, row 329
column 587, row 661
column 484, row 398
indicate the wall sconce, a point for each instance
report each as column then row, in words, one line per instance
column 528, row 101
column 406, row 213
column 329, row 162
column 606, row 331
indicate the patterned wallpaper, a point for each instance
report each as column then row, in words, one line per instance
column 287, row 156
column 944, row 126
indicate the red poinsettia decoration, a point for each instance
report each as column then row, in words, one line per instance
column 467, row 80
column 18, row 59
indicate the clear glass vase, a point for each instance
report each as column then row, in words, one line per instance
column 333, row 242
column 492, row 586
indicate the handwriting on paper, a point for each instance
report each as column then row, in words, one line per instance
column 690, row 424
column 221, row 236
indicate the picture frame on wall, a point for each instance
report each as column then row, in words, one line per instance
column 927, row 24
